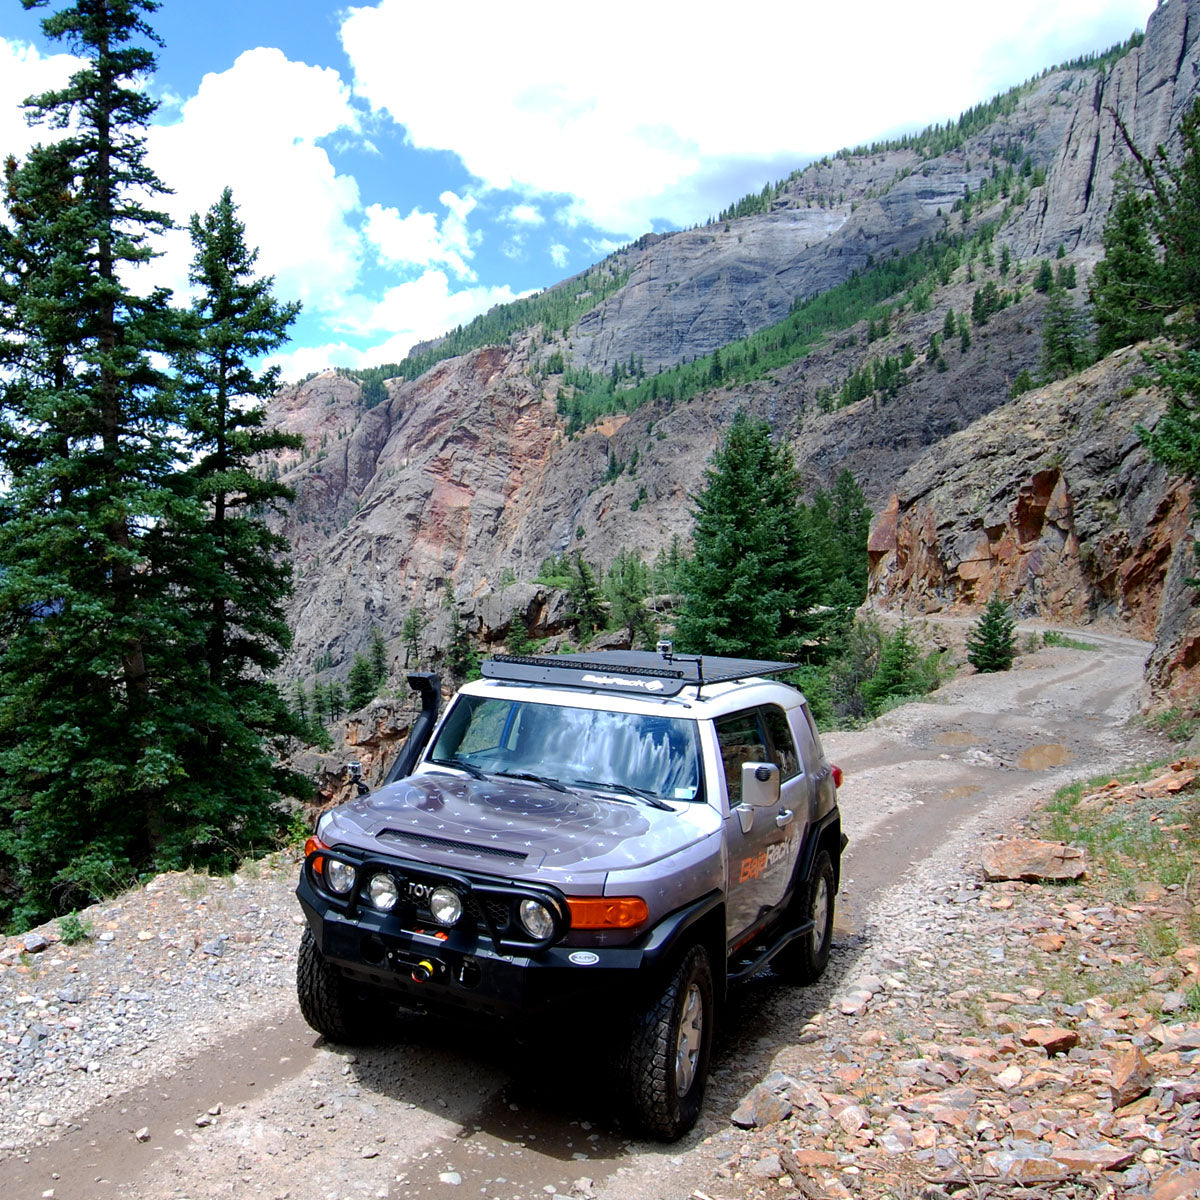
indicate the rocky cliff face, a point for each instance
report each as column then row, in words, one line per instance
column 466, row 479
column 1053, row 504
column 1151, row 89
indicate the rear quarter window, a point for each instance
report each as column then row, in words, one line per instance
column 780, row 731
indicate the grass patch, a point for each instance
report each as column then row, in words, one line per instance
column 1053, row 638
column 1130, row 835
column 1175, row 723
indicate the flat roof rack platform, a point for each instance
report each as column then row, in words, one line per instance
column 638, row 672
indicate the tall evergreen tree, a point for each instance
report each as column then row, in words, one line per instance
column 230, row 570
column 361, row 687
column 410, row 635
column 1063, row 350
column 90, row 658
column 1127, row 289
column 752, row 583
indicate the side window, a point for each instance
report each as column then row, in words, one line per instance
column 783, row 742
column 741, row 739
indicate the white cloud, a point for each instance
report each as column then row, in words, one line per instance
column 25, row 72
column 255, row 127
column 419, row 241
column 626, row 138
column 522, row 214
column 558, row 255
column 408, row 313
column 417, row 309
column 514, row 248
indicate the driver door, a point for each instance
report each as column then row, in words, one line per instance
column 759, row 848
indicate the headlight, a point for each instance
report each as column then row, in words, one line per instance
column 537, row 919
column 339, row 876
column 445, row 905
column 382, row 892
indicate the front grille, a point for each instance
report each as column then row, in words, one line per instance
column 498, row 912
column 455, row 847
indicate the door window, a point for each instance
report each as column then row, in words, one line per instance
column 786, row 758
column 741, row 739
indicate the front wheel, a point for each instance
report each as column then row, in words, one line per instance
column 804, row 961
column 330, row 1003
column 666, row 1061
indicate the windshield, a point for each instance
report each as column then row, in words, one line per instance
column 649, row 753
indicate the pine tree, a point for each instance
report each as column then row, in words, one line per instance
column 410, row 635
column 234, row 572
column 517, row 639
column 626, row 586
column 896, row 673
column 1063, row 350
column 585, row 597
column 752, row 583
column 462, row 659
column 93, row 657
column 992, row 642
column 850, row 516
column 377, row 652
column 1128, row 289
column 361, row 687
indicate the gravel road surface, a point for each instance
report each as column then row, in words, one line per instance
column 164, row 1057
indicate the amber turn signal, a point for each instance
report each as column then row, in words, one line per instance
column 607, row 912
column 314, row 845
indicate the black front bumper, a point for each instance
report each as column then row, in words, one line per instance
column 464, row 970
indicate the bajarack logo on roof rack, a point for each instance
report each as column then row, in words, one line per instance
column 651, row 685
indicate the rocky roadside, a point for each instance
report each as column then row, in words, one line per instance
column 1040, row 1039
column 162, row 971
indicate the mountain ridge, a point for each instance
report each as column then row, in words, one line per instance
column 468, row 474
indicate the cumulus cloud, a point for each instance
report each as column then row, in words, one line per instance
column 522, row 214
column 25, row 72
column 558, row 255
column 624, row 137
column 419, row 240
column 256, row 127
column 417, row 309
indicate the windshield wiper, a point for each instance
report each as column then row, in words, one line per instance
column 462, row 764
column 532, row 778
column 627, row 790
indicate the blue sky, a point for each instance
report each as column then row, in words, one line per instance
column 403, row 166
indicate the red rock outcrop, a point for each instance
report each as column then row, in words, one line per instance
column 1053, row 503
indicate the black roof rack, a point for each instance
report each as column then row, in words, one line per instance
column 642, row 673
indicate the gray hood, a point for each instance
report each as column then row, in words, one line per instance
column 511, row 827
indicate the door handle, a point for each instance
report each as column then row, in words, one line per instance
column 784, row 817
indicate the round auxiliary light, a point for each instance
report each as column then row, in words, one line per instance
column 537, row 919
column 382, row 892
column 339, row 876
column 445, row 905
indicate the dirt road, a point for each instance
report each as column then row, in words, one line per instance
column 258, row 1105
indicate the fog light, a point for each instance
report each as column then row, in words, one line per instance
column 382, row 892
column 537, row 919
column 445, row 905
column 339, row 876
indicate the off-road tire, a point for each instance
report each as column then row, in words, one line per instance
column 804, row 961
column 330, row 1003
column 676, row 1023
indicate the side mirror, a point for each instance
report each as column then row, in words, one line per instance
column 760, row 785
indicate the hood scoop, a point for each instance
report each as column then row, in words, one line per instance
column 425, row 841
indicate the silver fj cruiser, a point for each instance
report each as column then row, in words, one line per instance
column 630, row 832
